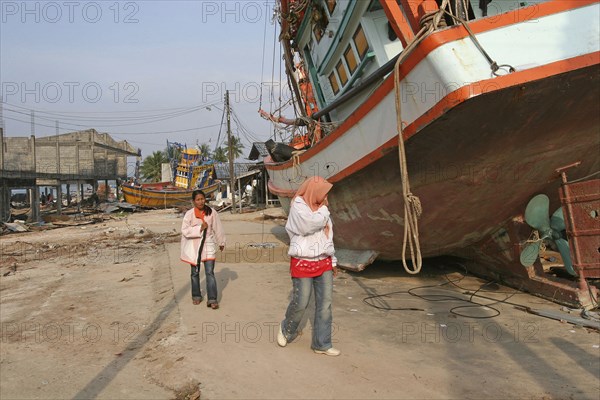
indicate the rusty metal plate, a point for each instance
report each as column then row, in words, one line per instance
column 581, row 205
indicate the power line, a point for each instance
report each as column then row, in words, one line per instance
column 123, row 133
column 148, row 121
column 247, row 132
column 107, row 119
column 55, row 112
column 220, row 128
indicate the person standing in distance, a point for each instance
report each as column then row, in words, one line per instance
column 312, row 265
column 201, row 234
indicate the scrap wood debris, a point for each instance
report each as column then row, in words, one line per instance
column 110, row 245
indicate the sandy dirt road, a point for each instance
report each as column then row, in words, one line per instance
column 106, row 312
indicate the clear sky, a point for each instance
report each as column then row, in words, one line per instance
column 139, row 70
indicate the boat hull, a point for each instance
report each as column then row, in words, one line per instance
column 474, row 168
column 488, row 114
column 161, row 195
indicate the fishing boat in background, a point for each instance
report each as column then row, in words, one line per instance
column 190, row 172
column 489, row 104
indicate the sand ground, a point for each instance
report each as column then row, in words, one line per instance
column 105, row 311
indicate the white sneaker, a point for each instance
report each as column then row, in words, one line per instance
column 281, row 340
column 329, row 352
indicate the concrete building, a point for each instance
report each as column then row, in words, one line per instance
column 83, row 157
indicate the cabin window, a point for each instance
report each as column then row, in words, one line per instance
column 350, row 59
column 341, row 70
column 360, row 41
column 331, row 6
column 334, row 83
column 347, row 65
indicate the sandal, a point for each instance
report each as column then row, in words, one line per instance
column 196, row 302
column 214, row 306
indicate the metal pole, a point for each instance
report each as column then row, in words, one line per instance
column 59, row 198
column 1, row 148
column 1, row 114
column 79, row 195
column 4, row 190
column 231, row 171
column 240, row 186
column 32, row 123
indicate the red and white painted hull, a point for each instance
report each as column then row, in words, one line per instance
column 478, row 146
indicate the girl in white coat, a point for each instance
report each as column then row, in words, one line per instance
column 201, row 234
column 312, row 265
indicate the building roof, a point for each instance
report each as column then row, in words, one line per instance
column 240, row 170
column 259, row 150
column 103, row 140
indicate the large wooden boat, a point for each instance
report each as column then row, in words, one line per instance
column 488, row 103
column 191, row 173
column 161, row 195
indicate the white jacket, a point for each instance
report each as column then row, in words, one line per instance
column 191, row 236
column 307, row 235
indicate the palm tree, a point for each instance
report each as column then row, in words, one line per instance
column 236, row 147
column 204, row 150
column 220, row 155
column 151, row 168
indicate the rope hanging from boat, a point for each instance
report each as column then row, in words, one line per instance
column 430, row 22
column 412, row 204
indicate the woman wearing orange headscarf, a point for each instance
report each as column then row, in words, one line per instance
column 312, row 264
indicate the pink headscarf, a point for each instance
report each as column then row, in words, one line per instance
column 314, row 192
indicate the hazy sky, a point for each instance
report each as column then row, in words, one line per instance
column 138, row 69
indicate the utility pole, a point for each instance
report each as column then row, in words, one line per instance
column 231, row 172
column 1, row 114
column 32, row 123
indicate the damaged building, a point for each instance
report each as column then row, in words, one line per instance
column 75, row 158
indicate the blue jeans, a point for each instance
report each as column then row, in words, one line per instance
column 211, row 282
column 302, row 288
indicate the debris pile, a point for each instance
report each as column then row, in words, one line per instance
column 50, row 219
column 113, row 246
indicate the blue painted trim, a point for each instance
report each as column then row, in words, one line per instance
column 338, row 36
column 314, row 79
column 358, row 73
column 304, row 22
